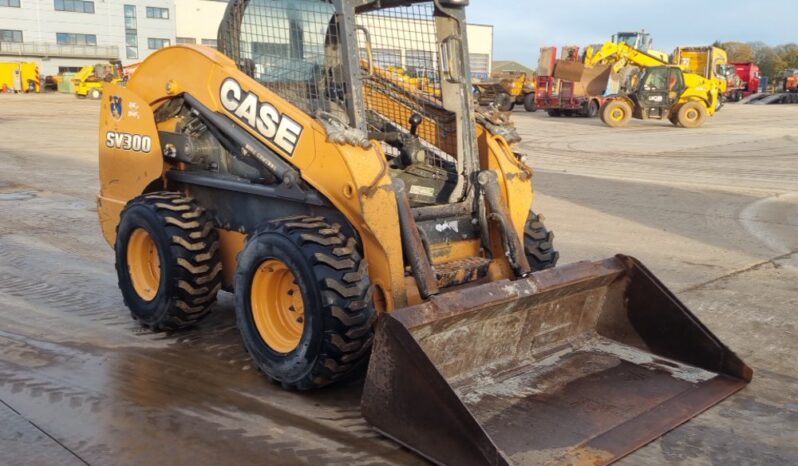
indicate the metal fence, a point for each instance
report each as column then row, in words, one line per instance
column 400, row 87
column 292, row 47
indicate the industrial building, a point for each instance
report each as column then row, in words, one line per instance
column 64, row 35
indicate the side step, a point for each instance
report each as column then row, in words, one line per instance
column 461, row 271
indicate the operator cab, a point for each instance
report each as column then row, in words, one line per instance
column 659, row 89
column 637, row 40
column 397, row 71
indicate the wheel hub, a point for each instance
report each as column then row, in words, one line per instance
column 278, row 308
column 144, row 264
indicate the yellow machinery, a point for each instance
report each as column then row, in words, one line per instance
column 506, row 90
column 708, row 62
column 360, row 221
column 685, row 99
column 685, row 93
column 20, row 77
column 90, row 80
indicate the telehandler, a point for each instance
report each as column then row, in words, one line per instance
column 360, row 221
column 664, row 92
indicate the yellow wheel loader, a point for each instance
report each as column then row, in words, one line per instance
column 663, row 92
column 359, row 221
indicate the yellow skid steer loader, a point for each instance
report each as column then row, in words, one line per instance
column 361, row 221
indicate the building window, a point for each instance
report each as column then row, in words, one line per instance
column 131, row 32
column 69, row 38
column 11, row 3
column 186, row 40
column 157, row 13
column 420, row 61
column 155, row 44
column 209, row 42
column 78, row 6
column 10, row 35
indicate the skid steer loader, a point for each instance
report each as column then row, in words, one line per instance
column 362, row 221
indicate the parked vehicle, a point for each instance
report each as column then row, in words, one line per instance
column 563, row 97
column 506, row 90
column 20, row 77
column 90, row 80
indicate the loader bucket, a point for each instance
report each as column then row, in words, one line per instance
column 592, row 79
column 580, row 364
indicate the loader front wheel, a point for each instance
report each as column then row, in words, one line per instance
column 539, row 244
column 303, row 302
column 616, row 113
column 167, row 260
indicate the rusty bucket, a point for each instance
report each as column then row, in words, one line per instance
column 580, row 364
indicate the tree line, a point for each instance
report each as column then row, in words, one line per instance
column 772, row 61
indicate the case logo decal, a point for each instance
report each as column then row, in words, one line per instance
column 263, row 117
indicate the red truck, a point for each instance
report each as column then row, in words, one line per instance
column 749, row 75
column 559, row 97
column 791, row 80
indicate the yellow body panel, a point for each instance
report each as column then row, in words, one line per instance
column 20, row 76
column 355, row 180
column 124, row 172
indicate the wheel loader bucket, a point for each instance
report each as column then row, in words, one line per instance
column 580, row 364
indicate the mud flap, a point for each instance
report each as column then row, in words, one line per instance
column 580, row 364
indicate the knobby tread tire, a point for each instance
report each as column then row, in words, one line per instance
column 192, row 271
column 539, row 244
column 339, row 281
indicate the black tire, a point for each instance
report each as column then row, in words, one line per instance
column 592, row 109
column 336, row 290
column 504, row 102
column 554, row 112
column 529, row 103
column 539, row 244
column 673, row 117
column 188, row 251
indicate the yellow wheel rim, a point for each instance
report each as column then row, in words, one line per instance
column 691, row 115
column 277, row 306
column 144, row 264
column 617, row 114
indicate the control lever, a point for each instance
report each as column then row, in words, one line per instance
column 415, row 122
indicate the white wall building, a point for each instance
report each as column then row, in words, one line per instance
column 198, row 21
column 64, row 35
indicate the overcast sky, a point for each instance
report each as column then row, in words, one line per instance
column 522, row 27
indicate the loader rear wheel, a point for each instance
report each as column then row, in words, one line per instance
column 529, row 102
column 691, row 114
column 304, row 302
column 539, row 244
column 592, row 109
column 95, row 94
column 167, row 260
column 616, row 113
column 505, row 102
